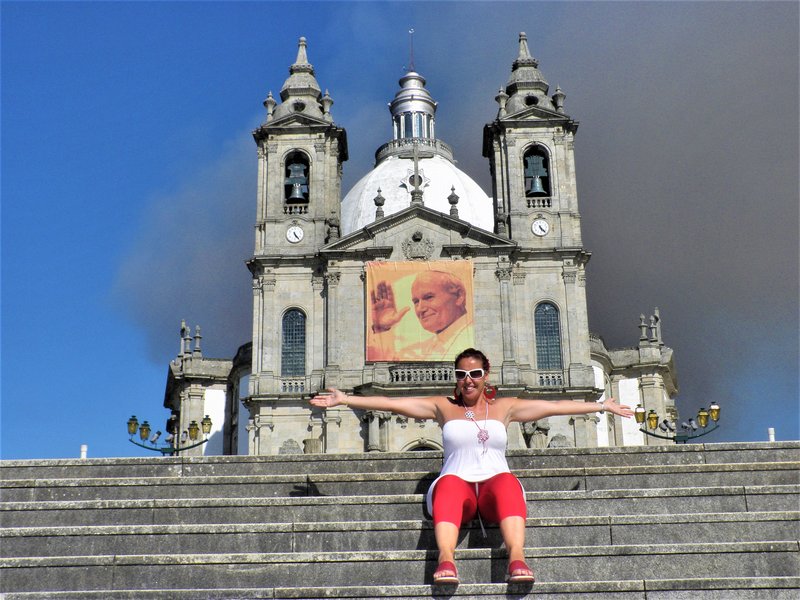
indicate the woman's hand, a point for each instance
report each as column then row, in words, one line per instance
column 616, row 408
column 329, row 398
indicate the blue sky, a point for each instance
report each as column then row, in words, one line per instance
column 128, row 182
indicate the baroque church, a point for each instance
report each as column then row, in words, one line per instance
column 376, row 291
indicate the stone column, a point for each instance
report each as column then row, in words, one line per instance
column 317, row 341
column 252, row 437
column 258, row 333
column 619, row 438
column 652, row 389
column 330, row 436
column 501, row 189
column 192, row 410
column 576, row 327
column 569, row 275
column 268, row 359
column 509, row 368
column 332, row 292
column 263, row 429
column 376, row 430
column 585, row 430
column 313, row 444
column 262, row 198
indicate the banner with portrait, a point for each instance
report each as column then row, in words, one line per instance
column 419, row 311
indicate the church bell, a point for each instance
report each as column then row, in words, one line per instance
column 297, row 192
column 535, row 186
column 298, row 181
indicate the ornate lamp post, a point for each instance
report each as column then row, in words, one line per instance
column 175, row 443
column 688, row 429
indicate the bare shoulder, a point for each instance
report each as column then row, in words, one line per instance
column 446, row 406
column 503, row 407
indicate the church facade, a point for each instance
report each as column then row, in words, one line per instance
column 376, row 291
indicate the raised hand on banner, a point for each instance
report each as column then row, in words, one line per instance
column 384, row 309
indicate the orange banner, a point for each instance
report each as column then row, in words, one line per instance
column 419, row 311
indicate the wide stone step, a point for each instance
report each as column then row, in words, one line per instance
column 739, row 588
column 587, row 563
column 392, row 535
column 547, row 458
column 341, row 484
column 390, row 507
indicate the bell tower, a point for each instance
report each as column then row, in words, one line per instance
column 530, row 147
column 531, row 158
column 300, row 156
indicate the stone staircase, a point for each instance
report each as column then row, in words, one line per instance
column 716, row 521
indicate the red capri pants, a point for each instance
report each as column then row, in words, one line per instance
column 457, row 501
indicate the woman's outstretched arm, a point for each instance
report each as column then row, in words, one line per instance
column 415, row 407
column 531, row 410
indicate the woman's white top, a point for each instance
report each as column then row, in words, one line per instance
column 467, row 457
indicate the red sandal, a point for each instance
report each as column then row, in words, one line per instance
column 519, row 572
column 443, row 576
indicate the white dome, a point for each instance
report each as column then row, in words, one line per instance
column 439, row 176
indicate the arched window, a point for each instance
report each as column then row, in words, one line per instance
column 408, row 124
column 295, row 183
column 419, row 132
column 537, row 172
column 548, row 337
column 293, row 344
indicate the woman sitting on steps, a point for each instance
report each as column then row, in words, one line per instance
column 475, row 478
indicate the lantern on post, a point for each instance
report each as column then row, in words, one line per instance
column 687, row 428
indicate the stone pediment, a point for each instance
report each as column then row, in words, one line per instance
column 537, row 113
column 291, row 121
column 419, row 233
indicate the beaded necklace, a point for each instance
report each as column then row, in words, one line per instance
column 483, row 433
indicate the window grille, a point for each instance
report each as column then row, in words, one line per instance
column 548, row 337
column 293, row 344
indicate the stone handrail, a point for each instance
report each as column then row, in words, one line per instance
column 407, row 144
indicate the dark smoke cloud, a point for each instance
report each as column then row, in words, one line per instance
column 687, row 161
column 188, row 261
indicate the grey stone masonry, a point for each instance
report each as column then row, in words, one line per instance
column 715, row 521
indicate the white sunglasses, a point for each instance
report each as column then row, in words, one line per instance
column 461, row 374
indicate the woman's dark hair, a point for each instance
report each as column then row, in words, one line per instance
column 472, row 353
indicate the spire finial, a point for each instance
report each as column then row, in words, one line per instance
column 411, row 49
column 270, row 104
column 302, row 58
column 653, row 329
column 524, row 52
column 643, row 328
column 501, row 99
column 197, row 337
column 327, row 102
column 657, row 316
column 453, row 200
column 524, row 58
column 379, row 201
column 184, row 329
column 558, row 99
column 301, row 64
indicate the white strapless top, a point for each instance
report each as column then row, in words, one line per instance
column 467, row 457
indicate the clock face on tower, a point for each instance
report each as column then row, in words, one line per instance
column 294, row 234
column 540, row 227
